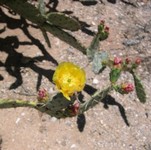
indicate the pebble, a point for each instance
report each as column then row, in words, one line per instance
column 51, row 90
column 22, row 114
column 131, row 42
column 44, row 61
column 38, row 54
column 93, row 23
column 17, row 121
column 73, row 146
column 53, row 119
column 135, row 41
column 95, row 81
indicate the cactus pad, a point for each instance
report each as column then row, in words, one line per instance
column 139, row 89
column 63, row 21
column 98, row 61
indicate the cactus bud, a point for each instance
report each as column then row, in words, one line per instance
column 127, row 60
column 103, row 30
column 42, row 95
column 124, row 88
column 102, row 22
column 127, row 88
column 101, row 25
column 74, row 108
column 106, row 29
column 117, row 60
column 138, row 61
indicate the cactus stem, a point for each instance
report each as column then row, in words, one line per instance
column 95, row 99
column 9, row 103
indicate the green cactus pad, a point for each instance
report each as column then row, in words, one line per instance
column 139, row 89
column 64, row 36
column 25, row 9
column 63, row 21
column 94, row 46
column 115, row 74
column 58, row 106
column 58, row 102
column 98, row 62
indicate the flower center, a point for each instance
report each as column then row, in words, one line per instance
column 69, row 80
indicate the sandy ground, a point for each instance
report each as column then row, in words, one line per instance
column 104, row 127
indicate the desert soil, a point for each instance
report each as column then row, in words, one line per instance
column 123, row 124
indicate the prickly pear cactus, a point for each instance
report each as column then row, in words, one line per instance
column 68, row 106
column 37, row 16
column 59, row 107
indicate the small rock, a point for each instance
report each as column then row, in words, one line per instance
column 44, row 61
column 17, row 121
column 53, row 119
column 22, row 114
column 93, row 23
column 51, row 90
column 131, row 42
column 73, row 146
column 38, row 54
column 134, row 41
column 95, row 81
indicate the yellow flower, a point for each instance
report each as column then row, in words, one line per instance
column 69, row 79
